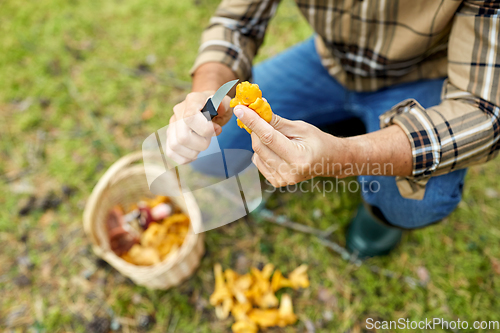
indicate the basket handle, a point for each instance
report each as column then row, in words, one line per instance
column 101, row 185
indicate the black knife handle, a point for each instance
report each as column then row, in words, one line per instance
column 209, row 106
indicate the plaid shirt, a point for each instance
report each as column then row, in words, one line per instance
column 367, row 45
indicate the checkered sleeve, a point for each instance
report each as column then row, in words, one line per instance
column 464, row 129
column 235, row 33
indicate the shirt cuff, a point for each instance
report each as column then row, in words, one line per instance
column 425, row 145
column 216, row 47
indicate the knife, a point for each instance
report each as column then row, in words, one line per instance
column 213, row 102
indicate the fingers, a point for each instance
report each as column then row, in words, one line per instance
column 217, row 129
column 266, row 154
column 224, row 115
column 271, row 175
column 189, row 131
column 224, row 106
column 200, row 125
column 186, row 137
column 190, row 112
column 269, row 136
column 283, row 125
column 175, row 151
column 183, row 145
column 176, row 157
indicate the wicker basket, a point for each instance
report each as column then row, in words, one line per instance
column 125, row 183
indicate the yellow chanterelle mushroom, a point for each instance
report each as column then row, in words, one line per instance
column 286, row 315
column 264, row 318
column 298, row 277
column 249, row 94
column 245, row 326
column 251, row 299
column 221, row 295
column 279, row 281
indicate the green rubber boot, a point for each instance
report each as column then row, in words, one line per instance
column 369, row 237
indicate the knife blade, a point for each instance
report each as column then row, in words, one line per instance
column 213, row 102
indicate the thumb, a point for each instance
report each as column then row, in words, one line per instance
column 252, row 120
column 274, row 140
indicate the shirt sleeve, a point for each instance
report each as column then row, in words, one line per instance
column 464, row 129
column 235, row 33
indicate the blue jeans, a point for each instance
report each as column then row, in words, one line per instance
column 299, row 88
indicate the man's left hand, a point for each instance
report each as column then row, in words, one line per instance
column 287, row 152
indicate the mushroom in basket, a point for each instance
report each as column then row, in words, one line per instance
column 151, row 231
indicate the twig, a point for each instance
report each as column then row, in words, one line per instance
column 269, row 216
column 321, row 237
column 172, row 325
column 283, row 221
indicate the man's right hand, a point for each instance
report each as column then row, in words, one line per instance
column 189, row 132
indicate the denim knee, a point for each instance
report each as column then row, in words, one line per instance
column 443, row 194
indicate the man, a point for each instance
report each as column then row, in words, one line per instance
column 423, row 76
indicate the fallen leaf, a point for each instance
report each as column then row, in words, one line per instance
column 403, row 258
column 46, row 270
column 25, row 262
column 136, row 298
column 491, row 193
column 242, row 263
column 447, row 240
column 24, row 104
column 147, row 114
column 326, row 296
column 151, row 59
column 495, row 264
column 309, row 326
column 47, row 218
column 22, row 186
column 423, row 275
column 15, row 316
column 356, row 329
column 328, row 315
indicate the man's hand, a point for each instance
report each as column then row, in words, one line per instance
column 189, row 131
column 287, row 152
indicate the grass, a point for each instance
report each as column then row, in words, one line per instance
column 83, row 83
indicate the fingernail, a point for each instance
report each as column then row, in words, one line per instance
column 239, row 112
